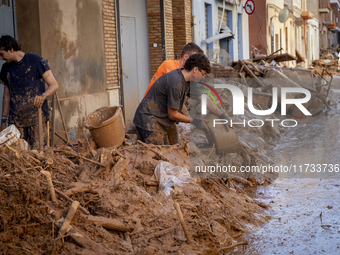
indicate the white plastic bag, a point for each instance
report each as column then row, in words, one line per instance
column 9, row 135
column 169, row 175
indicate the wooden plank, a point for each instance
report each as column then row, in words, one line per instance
column 40, row 127
column 53, row 122
column 62, row 116
column 277, row 58
column 299, row 57
column 251, row 73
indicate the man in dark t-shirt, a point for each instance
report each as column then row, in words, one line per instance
column 24, row 76
column 162, row 105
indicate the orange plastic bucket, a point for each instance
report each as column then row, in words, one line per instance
column 106, row 126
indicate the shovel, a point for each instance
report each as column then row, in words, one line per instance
column 41, row 144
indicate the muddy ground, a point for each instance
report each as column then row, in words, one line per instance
column 305, row 207
column 215, row 211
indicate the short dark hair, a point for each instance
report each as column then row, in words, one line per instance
column 198, row 60
column 190, row 48
column 7, row 43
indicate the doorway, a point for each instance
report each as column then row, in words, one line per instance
column 135, row 55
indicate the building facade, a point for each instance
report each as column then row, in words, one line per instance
column 327, row 23
column 298, row 34
column 102, row 52
column 335, row 5
column 211, row 17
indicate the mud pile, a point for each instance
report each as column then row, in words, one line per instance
column 331, row 65
column 122, row 210
column 328, row 61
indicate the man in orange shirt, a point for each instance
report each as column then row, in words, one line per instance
column 168, row 66
column 172, row 64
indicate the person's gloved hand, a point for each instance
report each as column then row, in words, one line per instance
column 38, row 101
column 225, row 117
column 200, row 124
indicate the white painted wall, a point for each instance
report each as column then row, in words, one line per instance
column 274, row 8
column 198, row 10
column 295, row 34
column 313, row 40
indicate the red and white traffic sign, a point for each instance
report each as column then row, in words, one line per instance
column 249, row 7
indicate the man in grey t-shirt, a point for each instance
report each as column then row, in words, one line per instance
column 162, row 105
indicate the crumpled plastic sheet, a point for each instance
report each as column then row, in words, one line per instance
column 169, row 175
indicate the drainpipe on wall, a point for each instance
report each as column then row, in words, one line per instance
column 15, row 20
column 163, row 29
column 119, row 54
column 193, row 25
column 193, row 22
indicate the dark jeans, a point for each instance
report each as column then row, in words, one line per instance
column 31, row 135
column 173, row 134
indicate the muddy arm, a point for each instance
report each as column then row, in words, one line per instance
column 5, row 102
column 51, row 82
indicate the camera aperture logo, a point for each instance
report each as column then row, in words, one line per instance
column 238, row 105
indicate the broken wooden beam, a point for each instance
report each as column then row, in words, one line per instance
column 184, row 226
column 40, row 127
column 62, row 116
column 251, row 73
column 113, row 224
column 69, row 199
column 79, row 156
column 80, row 187
column 50, row 184
column 62, row 138
column 66, row 225
column 83, row 240
column 16, row 154
column 232, row 246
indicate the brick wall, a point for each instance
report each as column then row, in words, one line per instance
column 188, row 20
column 177, row 23
column 110, row 43
column 155, row 35
column 181, row 11
column 169, row 30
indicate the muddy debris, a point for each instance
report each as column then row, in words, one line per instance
column 121, row 208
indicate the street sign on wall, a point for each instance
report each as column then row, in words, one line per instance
column 249, row 7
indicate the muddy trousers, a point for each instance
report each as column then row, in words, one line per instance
column 31, row 135
column 159, row 138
